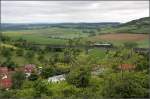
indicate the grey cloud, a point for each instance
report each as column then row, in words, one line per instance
column 73, row 11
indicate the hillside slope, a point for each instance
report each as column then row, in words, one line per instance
column 136, row 26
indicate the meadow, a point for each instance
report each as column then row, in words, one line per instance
column 60, row 36
column 46, row 36
column 88, row 72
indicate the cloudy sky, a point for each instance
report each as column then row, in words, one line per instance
column 73, row 11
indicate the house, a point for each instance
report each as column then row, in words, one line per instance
column 5, row 78
column 28, row 69
column 105, row 45
column 56, row 78
column 127, row 67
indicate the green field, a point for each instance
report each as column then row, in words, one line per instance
column 59, row 35
column 46, row 36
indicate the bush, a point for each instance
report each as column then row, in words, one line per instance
column 126, row 85
column 18, row 79
column 41, row 87
column 130, row 44
column 48, row 72
column 79, row 76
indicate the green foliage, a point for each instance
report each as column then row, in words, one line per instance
column 25, row 93
column 40, row 87
column 27, row 84
column 126, row 85
column 20, row 52
column 135, row 26
column 41, row 58
column 79, row 76
column 130, row 45
column 62, row 90
column 122, row 56
column 6, row 52
column 7, row 94
column 79, row 66
column 29, row 55
column 9, row 63
column 18, row 78
column 143, row 63
column 47, row 72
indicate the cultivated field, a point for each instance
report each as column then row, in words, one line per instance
column 121, row 37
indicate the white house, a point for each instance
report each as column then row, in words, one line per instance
column 56, row 78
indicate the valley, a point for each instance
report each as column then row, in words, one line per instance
column 74, row 60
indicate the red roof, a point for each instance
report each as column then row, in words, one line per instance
column 126, row 66
column 6, row 83
column 3, row 70
column 29, row 68
column 5, row 78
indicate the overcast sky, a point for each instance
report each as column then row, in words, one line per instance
column 73, row 11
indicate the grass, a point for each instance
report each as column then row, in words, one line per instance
column 46, row 36
column 97, row 53
column 60, row 36
column 144, row 43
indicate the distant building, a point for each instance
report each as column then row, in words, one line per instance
column 126, row 67
column 56, row 78
column 5, row 78
column 105, row 45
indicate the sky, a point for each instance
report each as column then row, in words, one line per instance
column 72, row 11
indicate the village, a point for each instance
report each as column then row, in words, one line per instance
column 74, row 50
column 6, row 75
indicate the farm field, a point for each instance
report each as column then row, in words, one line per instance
column 46, row 36
column 96, row 32
column 120, row 38
column 59, row 36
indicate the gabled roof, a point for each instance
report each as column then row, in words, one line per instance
column 29, row 68
column 127, row 66
column 56, row 78
column 5, row 78
column 3, row 70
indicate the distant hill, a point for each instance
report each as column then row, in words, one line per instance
column 9, row 26
column 136, row 26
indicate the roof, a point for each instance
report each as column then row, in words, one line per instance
column 105, row 44
column 126, row 66
column 3, row 70
column 29, row 68
column 5, row 82
column 56, row 78
column 5, row 78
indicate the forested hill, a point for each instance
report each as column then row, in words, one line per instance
column 135, row 26
column 141, row 25
column 9, row 26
